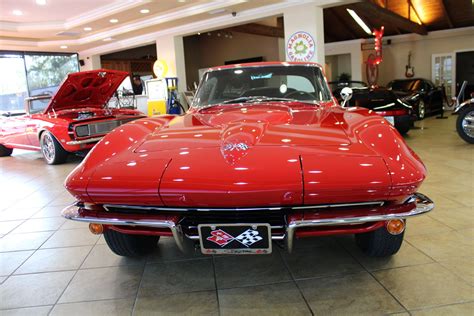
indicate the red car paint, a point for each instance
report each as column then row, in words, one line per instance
column 87, row 91
column 299, row 154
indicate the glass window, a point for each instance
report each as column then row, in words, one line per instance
column 406, row 85
column 46, row 72
column 302, row 83
column 39, row 105
column 13, row 88
column 31, row 74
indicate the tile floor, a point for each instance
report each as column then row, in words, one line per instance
column 52, row 266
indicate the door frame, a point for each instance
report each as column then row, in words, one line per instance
column 453, row 69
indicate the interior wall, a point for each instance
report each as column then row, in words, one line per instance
column 351, row 63
column 331, row 67
column 202, row 51
column 395, row 56
column 134, row 53
column 336, row 65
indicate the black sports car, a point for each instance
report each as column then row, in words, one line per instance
column 382, row 101
column 422, row 94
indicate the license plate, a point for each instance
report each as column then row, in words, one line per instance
column 390, row 119
column 238, row 239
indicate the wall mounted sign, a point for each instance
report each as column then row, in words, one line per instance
column 160, row 68
column 373, row 61
column 300, row 47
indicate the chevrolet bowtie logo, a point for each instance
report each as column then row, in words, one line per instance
column 237, row 147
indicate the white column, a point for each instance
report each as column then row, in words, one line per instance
column 171, row 50
column 306, row 18
column 90, row 62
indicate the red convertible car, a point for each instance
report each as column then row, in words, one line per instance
column 73, row 120
column 264, row 154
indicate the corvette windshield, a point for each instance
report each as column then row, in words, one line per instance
column 258, row 84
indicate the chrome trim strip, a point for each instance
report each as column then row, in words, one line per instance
column 377, row 203
column 84, row 141
column 72, row 212
column 423, row 205
column 244, row 209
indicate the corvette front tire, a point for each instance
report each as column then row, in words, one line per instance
column 52, row 150
column 379, row 243
column 127, row 245
column 5, row 151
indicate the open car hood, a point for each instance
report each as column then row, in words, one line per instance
column 86, row 89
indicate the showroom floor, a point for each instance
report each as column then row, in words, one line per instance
column 48, row 265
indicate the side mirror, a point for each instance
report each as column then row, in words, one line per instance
column 346, row 95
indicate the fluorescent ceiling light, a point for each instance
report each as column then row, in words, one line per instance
column 113, row 20
column 63, row 46
column 359, row 21
column 144, row 11
column 88, row 28
column 17, row 12
column 41, row 2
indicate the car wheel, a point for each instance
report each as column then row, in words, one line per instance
column 52, row 151
column 128, row 245
column 403, row 128
column 465, row 124
column 4, row 151
column 421, row 110
column 379, row 243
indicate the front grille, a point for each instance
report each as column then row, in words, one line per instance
column 99, row 128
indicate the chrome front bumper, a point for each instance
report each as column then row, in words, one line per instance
column 84, row 141
column 422, row 202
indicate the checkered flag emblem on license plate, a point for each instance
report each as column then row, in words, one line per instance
column 248, row 237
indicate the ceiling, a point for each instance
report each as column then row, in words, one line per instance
column 86, row 25
column 397, row 17
column 81, row 25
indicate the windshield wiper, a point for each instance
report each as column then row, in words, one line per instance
column 256, row 99
column 263, row 98
column 245, row 99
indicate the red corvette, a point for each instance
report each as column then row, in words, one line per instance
column 264, row 154
column 73, row 120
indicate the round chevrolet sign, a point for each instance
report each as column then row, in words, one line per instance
column 300, row 47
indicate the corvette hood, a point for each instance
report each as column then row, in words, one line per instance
column 86, row 89
column 240, row 127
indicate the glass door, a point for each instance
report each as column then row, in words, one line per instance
column 442, row 73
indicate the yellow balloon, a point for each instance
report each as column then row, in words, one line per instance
column 160, row 68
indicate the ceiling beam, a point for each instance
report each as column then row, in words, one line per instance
column 369, row 10
column 446, row 13
column 258, row 29
column 344, row 22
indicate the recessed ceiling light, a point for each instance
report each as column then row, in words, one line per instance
column 87, row 29
column 113, row 20
column 107, row 39
column 144, row 11
column 63, row 46
column 17, row 12
column 182, row 1
column 41, row 2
